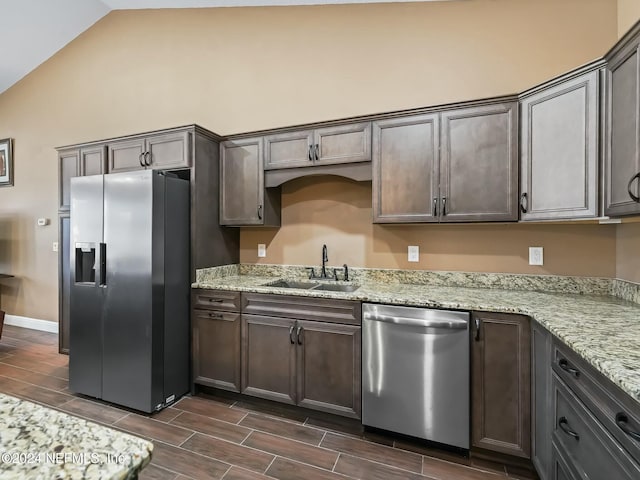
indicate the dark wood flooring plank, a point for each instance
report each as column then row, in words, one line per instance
column 210, row 409
column 153, row 472
column 228, row 452
column 153, row 429
column 378, row 453
column 301, row 452
column 166, row 414
column 43, row 395
column 361, row 468
column 187, row 463
column 442, row 470
column 53, row 383
column 284, row 469
column 237, row 473
column 284, row 429
column 95, row 411
column 211, row 426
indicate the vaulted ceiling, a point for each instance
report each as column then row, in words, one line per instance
column 33, row 30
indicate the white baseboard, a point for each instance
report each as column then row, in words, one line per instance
column 32, row 323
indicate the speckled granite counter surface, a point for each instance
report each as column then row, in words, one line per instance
column 37, row 442
column 603, row 329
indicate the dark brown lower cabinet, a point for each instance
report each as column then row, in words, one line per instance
column 216, row 349
column 307, row 363
column 541, row 414
column 269, row 358
column 501, row 372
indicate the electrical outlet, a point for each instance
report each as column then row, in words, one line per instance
column 54, row 247
column 262, row 250
column 413, row 253
column 536, row 256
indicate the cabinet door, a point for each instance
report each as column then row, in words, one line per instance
column 288, row 150
column 559, row 150
column 622, row 162
column 216, row 349
column 241, row 182
column 169, row 151
column 542, row 413
column 92, row 161
column 268, row 358
column 405, row 169
column 68, row 167
column 500, row 398
column 328, row 375
column 479, row 164
column 126, row 156
column 64, row 282
column 343, row 144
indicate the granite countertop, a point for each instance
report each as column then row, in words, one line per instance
column 37, row 442
column 602, row 329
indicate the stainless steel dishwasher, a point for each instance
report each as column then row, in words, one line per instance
column 415, row 372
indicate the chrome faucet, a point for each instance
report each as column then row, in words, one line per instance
column 325, row 259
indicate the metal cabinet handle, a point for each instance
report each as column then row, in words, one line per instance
column 524, row 202
column 298, row 335
column 259, row 212
column 563, row 423
column 216, row 300
column 293, row 342
column 477, row 322
column 444, row 206
column 215, row 315
column 140, row 159
column 622, row 421
column 435, row 207
column 317, row 152
column 635, row 198
column 564, row 365
column 147, row 159
column 310, row 153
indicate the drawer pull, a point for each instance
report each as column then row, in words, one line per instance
column 623, row 422
column 216, row 300
column 563, row 423
column 563, row 364
column 215, row 315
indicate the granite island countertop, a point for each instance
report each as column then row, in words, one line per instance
column 602, row 329
column 37, row 442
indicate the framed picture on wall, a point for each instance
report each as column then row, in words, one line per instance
column 6, row 163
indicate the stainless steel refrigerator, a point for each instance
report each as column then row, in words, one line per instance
column 129, row 298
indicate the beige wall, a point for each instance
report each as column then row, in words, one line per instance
column 628, row 252
column 628, row 14
column 337, row 212
column 235, row 70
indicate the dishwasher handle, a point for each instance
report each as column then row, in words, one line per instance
column 453, row 324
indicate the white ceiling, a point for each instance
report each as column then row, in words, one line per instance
column 33, row 30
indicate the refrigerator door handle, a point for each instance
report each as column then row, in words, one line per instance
column 103, row 265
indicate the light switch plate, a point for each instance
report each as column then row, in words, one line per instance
column 536, row 256
column 54, row 247
column 262, row 250
column 413, row 253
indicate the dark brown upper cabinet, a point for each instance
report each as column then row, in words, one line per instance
column 167, row 152
column 323, row 146
column 559, row 149
column 243, row 198
column 405, row 169
column 77, row 162
column 622, row 149
column 459, row 165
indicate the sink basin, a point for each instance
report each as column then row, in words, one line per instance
column 291, row 284
column 330, row 287
column 337, row 287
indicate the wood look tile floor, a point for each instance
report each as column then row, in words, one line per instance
column 206, row 437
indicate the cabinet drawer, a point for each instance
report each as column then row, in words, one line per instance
column 606, row 401
column 560, row 469
column 584, row 443
column 304, row 308
column 216, row 300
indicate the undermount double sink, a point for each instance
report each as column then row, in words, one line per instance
column 331, row 287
